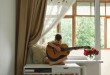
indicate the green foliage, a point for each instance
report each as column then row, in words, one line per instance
column 85, row 34
column 66, row 31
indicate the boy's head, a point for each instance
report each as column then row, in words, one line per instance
column 58, row 37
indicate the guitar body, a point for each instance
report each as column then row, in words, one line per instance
column 54, row 54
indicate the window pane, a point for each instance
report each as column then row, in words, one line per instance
column 83, row 8
column 49, row 9
column 102, row 9
column 92, row 8
column 108, row 33
column 69, row 12
column 85, row 34
column 50, row 35
column 102, row 31
column 107, row 8
column 66, row 31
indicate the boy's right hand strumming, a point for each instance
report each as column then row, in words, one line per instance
column 54, row 46
column 58, row 48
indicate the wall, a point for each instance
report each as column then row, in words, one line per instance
column 7, row 37
column 105, row 66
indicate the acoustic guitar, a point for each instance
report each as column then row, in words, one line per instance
column 53, row 54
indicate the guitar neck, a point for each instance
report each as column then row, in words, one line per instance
column 72, row 48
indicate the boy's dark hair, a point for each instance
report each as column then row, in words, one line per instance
column 58, row 37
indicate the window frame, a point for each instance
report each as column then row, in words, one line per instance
column 74, row 15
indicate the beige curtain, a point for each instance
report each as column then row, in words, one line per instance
column 29, row 24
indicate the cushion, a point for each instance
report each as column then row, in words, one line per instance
column 39, row 53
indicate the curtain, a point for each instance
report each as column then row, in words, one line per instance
column 56, row 10
column 30, row 15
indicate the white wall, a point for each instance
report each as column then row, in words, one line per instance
column 105, row 66
column 7, row 37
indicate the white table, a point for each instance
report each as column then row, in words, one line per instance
column 70, row 68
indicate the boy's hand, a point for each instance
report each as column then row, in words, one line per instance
column 58, row 48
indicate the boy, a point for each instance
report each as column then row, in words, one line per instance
column 55, row 44
column 57, row 41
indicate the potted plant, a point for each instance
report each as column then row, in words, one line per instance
column 91, row 53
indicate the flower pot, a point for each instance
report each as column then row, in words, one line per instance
column 90, row 57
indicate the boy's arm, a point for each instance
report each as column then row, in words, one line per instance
column 54, row 46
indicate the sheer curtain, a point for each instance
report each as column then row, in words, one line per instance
column 56, row 10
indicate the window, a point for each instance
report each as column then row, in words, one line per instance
column 108, row 34
column 107, row 9
column 50, row 36
column 102, row 9
column 77, row 27
column 102, row 31
column 69, row 12
column 81, row 6
column 66, row 31
column 85, row 34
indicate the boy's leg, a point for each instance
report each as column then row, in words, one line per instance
column 58, row 61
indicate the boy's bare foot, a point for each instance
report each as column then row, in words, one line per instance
column 46, row 60
column 51, row 63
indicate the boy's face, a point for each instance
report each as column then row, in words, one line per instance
column 58, row 42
